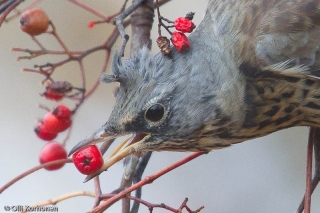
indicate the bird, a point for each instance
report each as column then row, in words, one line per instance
column 252, row 69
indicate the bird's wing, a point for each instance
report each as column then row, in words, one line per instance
column 279, row 35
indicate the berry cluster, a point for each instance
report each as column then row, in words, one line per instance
column 54, row 122
column 88, row 160
column 178, row 38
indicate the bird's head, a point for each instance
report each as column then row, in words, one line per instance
column 159, row 101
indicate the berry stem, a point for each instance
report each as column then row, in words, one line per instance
column 41, row 106
column 55, row 34
column 67, row 137
column 43, row 49
column 97, row 189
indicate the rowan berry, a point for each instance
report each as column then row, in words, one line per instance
column 180, row 41
column 62, row 112
column 43, row 133
column 34, row 21
column 88, row 160
column 184, row 25
column 50, row 152
column 54, row 124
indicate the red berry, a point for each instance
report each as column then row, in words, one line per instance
column 62, row 112
column 52, row 95
column 88, row 160
column 43, row 133
column 50, row 152
column 184, row 25
column 91, row 24
column 34, row 21
column 54, row 124
column 180, row 41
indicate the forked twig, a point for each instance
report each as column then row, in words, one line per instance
column 147, row 180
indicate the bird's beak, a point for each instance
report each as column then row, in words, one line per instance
column 123, row 150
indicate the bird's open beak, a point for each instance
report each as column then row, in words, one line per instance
column 123, row 150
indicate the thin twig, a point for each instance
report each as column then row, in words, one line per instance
column 118, row 21
column 316, row 177
column 143, row 162
column 147, row 180
column 56, row 35
column 56, row 200
column 89, row 9
column 307, row 202
column 97, row 189
column 152, row 206
column 28, row 172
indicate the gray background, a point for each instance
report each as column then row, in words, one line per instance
column 263, row 175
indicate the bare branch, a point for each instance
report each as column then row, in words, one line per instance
column 147, row 180
column 56, row 200
column 34, row 169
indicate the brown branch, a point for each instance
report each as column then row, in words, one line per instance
column 152, row 206
column 97, row 189
column 56, row 35
column 34, row 169
column 310, row 187
column 147, row 180
column 56, row 200
column 307, row 202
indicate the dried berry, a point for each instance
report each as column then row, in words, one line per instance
column 59, row 87
column 180, row 41
column 43, row 133
column 50, row 152
column 184, row 25
column 50, row 95
column 164, row 45
column 57, row 90
column 88, row 160
column 34, row 21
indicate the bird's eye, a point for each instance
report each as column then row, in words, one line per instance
column 155, row 113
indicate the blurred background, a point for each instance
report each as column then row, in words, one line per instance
column 263, row 175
